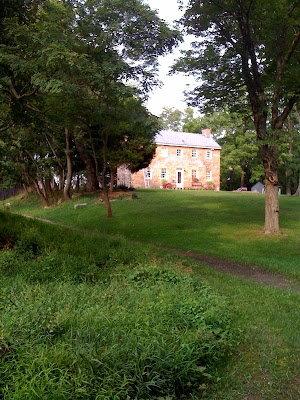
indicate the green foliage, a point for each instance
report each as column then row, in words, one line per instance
column 171, row 119
column 84, row 321
column 246, row 56
column 65, row 66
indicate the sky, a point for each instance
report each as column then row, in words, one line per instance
column 171, row 93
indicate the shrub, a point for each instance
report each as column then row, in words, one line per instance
column 210, row 185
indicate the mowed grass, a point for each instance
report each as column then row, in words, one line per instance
column 222, row 224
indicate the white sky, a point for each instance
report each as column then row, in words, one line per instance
column 171, row 94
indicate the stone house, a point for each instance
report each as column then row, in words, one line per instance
column 182, row 161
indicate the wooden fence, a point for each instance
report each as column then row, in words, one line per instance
column 10, row 192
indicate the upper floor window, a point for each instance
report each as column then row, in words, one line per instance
column 179, row 152
column 194, row 153
column 148, row 173
column 163, row 173
column 164, row 152
column 208, row 154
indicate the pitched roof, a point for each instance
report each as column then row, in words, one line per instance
column 185, row 139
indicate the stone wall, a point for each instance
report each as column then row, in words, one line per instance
column 166, row 158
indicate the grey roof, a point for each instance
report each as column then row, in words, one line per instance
column 185, row 139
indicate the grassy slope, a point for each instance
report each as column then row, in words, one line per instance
column 266, row 364
column 226, row 225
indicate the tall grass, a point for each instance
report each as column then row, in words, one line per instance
column 84, row 317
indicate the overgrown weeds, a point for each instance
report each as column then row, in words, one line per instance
column 84, row 317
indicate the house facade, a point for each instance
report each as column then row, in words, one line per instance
column 182, row 161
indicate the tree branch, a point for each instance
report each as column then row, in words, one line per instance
column 281, row 66
column 6, row 127
column 292, row 101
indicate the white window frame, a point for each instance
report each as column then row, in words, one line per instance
column 194, row 153
column 164, row 152
column 179, row 152
column 208, row 155
column 163, row 173
column 148, row 174
column 196, row 175
column 208, row 176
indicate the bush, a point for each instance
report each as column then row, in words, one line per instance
column 210, row 185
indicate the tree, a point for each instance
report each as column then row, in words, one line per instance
column 65, row 68
column 248, row 45
column 171, row 119
column 234, row 132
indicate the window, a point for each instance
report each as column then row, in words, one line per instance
column 194, row 153
column 164, row 152
column 148, row 174
column 194, row 175
column 179, row 152
column 209, row 175
column 163, row 173
column 208, row 155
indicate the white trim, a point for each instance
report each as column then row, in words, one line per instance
column 161, row 172
column 210, row 155
column 179, row 185
column 189, row 145
column 210, row 176
column 148, row 170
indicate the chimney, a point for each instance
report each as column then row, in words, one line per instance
column 206, row 132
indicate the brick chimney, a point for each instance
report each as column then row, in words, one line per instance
column 206, row 132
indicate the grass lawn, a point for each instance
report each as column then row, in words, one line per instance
column 264, row 363
column 222, row 224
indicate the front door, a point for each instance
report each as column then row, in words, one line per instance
column 179, row 178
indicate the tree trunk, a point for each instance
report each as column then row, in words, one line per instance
column 92, row 183
column 297, row 193
column 107, row 202
column 78, row 183
column 104, row 134
column 270, row 161
column 243, row 178
column 288, row 181
column 112, row 179
column 48, row 190
column 37, row 188
column 62, row 179
column 67, row 188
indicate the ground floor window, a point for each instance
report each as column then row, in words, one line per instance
column 148, row 173
column 209, row 175
column 194, row 175
column 163, row 173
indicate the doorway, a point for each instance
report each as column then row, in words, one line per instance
column 179, row 178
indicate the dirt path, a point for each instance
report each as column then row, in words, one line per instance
column 246, row 272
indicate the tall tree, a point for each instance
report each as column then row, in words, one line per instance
column 64, row 70
column 252, row 45
column 171, row 119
